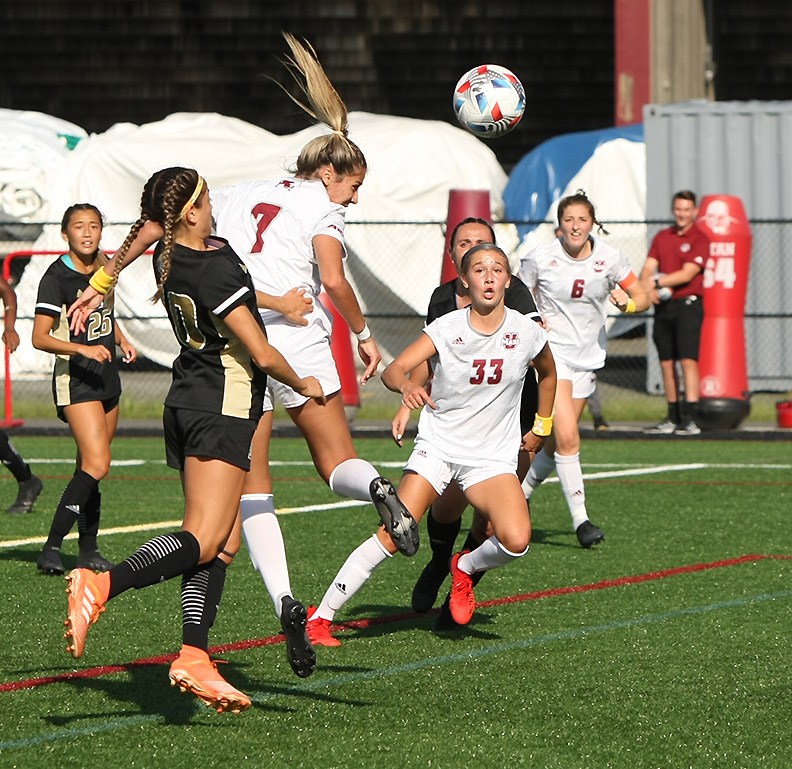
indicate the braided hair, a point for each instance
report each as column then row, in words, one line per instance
column 164, row 196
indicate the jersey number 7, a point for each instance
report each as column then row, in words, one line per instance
column 263, row 213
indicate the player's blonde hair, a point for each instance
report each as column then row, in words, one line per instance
column 164, row 196
column 324, row 104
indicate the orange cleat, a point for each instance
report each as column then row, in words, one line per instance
column 87, row 596
column 193, row 671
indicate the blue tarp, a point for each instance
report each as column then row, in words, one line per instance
column 543, row 175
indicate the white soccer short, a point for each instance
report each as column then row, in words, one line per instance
column 583, row 382
column 307, row 349
column 426, row 462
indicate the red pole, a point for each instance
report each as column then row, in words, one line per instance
column 632, row 40
column 343, row 355
column 9, row 420
column 461, row 205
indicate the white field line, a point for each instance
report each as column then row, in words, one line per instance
column 5, row 544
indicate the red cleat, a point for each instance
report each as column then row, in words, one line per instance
column 462, row 602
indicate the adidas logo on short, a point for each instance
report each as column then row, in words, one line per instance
column 74, row 509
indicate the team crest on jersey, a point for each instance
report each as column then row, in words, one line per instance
column 510, row 339
column 684, row 248
column 287, row 183
column 335, row 227
column 599, row 265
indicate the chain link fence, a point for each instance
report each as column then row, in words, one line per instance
column 395, row 266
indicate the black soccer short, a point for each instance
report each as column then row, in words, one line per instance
column 108, row 403
column 191, row 433
column 677, row 328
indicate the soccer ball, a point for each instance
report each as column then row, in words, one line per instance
column 489, row 101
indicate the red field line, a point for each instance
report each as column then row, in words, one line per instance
column 255, row 643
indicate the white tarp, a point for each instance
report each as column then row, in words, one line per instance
column 413, row 164
column 33, row 148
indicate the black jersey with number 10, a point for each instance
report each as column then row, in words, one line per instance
column 214, row 371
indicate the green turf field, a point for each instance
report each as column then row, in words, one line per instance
column 667, row 646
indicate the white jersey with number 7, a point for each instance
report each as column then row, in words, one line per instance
column 271, row 226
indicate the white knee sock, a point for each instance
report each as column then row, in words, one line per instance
column 490, row 554
column 352, row 479
column 571, row 477
column 264, row 542
column 542, row 465
column 352, row 576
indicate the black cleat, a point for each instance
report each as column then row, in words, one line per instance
column 299, row 651
column 94, row 561
column 395, row 517
column 428, row 585
column 26, row 496
column 49, row 562
column 588, row 534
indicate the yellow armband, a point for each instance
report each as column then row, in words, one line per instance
column 542, row 426
column 630, row 306
column 100, row 281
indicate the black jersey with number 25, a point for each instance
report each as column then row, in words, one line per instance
column 214, row 371
column 75, row 378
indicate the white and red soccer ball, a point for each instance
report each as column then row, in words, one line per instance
column 489, row 101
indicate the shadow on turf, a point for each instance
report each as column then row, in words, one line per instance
column 386, row 620
column 31, row 556
column 147, row 692
column 554, row 537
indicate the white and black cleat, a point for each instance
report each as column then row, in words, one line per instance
column 299, row 650
column 395, row 517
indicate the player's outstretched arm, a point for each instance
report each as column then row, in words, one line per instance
column 91, row 298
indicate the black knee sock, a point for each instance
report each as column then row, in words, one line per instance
column 72, row 503
column 11, row 458
column 689, row 409
column 202, row 588
column 158, row 560
column 88, row 522
column 442, row 537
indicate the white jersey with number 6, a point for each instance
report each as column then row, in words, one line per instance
column 573, row 297
column 477, row 386
column 271, row 225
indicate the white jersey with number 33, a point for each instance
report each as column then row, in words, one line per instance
column 572, row 296
column 477, row 386
column 271, row 226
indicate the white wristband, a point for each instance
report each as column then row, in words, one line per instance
column 364, row 335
